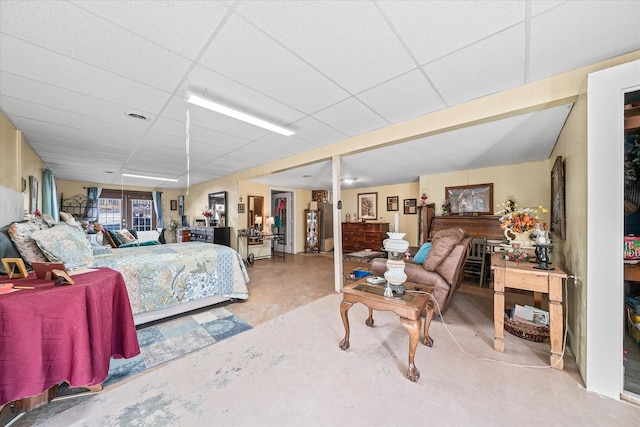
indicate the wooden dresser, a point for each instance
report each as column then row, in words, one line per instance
column 357, row 236
column 183, row 235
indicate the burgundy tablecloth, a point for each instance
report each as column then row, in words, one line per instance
column 67, row 333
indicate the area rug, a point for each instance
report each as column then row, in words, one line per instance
column 172, row 339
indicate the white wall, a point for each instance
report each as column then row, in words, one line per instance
column 605, row 225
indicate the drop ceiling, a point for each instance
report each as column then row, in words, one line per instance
column 72, row 71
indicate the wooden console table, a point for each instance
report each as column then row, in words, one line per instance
column 524, row 276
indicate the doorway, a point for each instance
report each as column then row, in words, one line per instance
column 281, row 208
column 631, row 313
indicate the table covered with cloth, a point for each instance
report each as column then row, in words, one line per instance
column 51, row 334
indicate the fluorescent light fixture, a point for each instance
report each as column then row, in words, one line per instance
column 200, row 101
column 149, row 177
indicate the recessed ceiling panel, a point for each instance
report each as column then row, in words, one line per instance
column 179, row 26
column 434, row 29
column 489, row 66
column 403, row 98
column 347, row 41
column 605, row 29
column 351, row 117
column 122, row 52
column 269, row 68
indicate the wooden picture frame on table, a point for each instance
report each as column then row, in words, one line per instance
column 174, row 205
column 476, row 199
column 410, row 206
column 15, row 268
column 367, row 206
column 558, row 215
column 392, row 203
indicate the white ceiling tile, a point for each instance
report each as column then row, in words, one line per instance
column 433, row 29
column 24, row 59
column 606, row 29
column 266, row 65
column 348, row 41
column 316, row 132
column 351, row 117
column 487, row 67
column 405, row 97
column 92, row 40
column 541, row 6
column 37, row 92
column 125, row 127
column 181, row 26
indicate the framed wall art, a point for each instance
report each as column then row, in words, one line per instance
column 558, row 218
column 392, row 203
column 174, row 205
column 470, row 199
column 33, row 193
column 240, row 207
column 410, row 206
column 367, row 206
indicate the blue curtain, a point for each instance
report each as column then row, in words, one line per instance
column 91, row 211
column 157, row 204
column 50, row 195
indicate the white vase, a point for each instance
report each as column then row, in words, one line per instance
column 523, row 238
column 206, row 221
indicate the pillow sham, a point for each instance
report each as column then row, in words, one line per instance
column 65, row 243
column 125, row 236
column 20, row 233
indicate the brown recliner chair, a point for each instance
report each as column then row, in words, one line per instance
column 443, row 268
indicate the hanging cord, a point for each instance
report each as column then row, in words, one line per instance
column 564, row 340
column 187, row 148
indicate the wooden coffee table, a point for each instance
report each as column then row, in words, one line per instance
column 408, row 307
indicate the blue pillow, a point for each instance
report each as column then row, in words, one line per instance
column 422, row 253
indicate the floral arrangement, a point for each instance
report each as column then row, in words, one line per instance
column 517, row 256
column 173, row 224
column 520, row 219
column 207, row 212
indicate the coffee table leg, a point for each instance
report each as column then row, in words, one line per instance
column 413, row 327
column 369, row 321
column 427, row 340
column 344, row 312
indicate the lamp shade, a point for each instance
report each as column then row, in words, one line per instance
column 259, row 220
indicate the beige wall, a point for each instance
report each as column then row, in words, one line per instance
column 408, row 223
column 572, row 252
column 18, row 161
column 526, row 182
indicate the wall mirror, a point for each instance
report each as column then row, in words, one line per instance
column 218, row 202
column 255, row 217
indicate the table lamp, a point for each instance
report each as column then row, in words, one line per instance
column 395, row 276
column 258, row 223
column 270, row 223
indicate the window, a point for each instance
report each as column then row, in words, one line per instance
column 126, row 209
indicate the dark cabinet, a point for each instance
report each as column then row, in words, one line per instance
column 217, row 235
column 358, row 236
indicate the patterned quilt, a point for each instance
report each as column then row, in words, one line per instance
column 167, row 275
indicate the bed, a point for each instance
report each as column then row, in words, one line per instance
column 162, row 280
column 165, row 280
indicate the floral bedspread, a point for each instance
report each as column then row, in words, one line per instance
column 162, row 276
